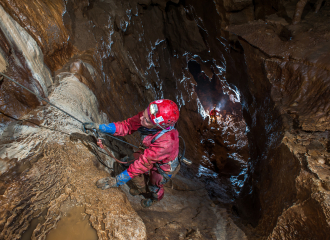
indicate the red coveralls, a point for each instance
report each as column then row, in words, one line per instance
column 213, row 114
column 163, row 150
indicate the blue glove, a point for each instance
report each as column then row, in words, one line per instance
column 91, row 126
column 122, row 178
column 108, row 128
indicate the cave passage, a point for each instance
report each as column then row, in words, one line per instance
column 211, row 94
column 223, row 166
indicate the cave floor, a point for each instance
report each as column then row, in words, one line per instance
column 186, row 212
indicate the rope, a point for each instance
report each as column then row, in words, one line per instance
column 100, row 144
column 108, row 153
column 172, row 187
column 120, row 140
column 99, row 158
column 20, row 120
column 60, row 108
column 41, row 97
column 95, row 149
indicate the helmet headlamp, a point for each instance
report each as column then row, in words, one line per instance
column 153, row 109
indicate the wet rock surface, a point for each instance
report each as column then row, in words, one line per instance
column 122, row 80
column 63, row 165
column 103, row 61
column 286, row 64
column 53, row 183
column 224, row 159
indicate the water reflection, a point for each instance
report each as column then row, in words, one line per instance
column 203, row 171
column 73, row 226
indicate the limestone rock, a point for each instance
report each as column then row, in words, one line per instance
column 236, row 5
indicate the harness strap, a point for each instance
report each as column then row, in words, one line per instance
column 162, row 133
column 161, row 171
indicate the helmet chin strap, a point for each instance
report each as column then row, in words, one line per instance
column 157, row 124
column 160, row 126
column 165, row 129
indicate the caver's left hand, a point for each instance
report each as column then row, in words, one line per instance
column 108, row 182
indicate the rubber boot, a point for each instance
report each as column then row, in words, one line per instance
column 147, row 202
column 138, row 191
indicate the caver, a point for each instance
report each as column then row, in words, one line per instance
column 158, row 160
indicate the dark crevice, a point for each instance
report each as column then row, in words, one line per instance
column 170, row 4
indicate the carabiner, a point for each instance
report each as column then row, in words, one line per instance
column 95, row 132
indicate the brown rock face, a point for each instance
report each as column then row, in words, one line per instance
column 104, row 61
column 111, row 59
column 236, row 5
column 49, row 183
column 287, row 81
column 282, row 79
column 46, row 27
column 37, row 192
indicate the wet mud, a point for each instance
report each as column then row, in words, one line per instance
column 54, row 182
column 74, row 225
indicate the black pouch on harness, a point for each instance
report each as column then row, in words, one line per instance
column 167, row 176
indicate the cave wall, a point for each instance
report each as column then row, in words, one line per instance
column 287, row 79
column 142, row 54
column 119, row 51
column 47, row 170
column 281, row 79
column 128, row 46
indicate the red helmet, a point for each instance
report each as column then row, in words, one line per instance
column 163, row 113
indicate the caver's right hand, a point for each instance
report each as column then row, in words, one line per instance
column 91, row 126
column 107, row 128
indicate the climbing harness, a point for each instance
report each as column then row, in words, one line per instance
column 144, row 132
column 174, row 162
column 161, row 171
